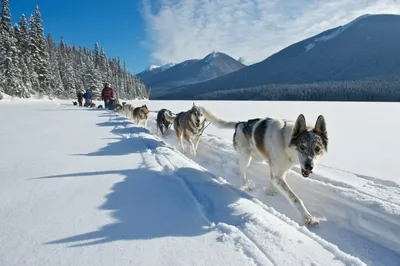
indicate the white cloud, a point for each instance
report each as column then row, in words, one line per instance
column 247, row 29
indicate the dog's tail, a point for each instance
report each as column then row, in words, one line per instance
column 218, row 122
column 169, row 117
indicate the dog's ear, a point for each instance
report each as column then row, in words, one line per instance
column 194, row 105
column 320, row 129
column 300, row 126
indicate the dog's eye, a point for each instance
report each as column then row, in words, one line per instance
column 303, row 147
column 317, row 149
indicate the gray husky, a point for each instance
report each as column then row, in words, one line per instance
column 282, row 144
column 188, row 125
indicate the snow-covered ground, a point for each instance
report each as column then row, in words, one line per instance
column 88, row 187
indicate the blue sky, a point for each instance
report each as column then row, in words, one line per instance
column 144, row 32
column 118, row 26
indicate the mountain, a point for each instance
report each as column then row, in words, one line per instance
column 155, row 68
column 368, row 47
column 190, row 71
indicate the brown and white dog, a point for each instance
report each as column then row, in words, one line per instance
column 282, row 144
column 127, row 110
column 140, row 114
column 188, row 125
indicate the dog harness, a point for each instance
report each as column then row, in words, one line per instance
column 248, row 126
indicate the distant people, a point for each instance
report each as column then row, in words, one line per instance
column 80, row 97
column 108, row 96
column 88, row 98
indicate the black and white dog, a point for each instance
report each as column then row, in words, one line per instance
column 163, row 124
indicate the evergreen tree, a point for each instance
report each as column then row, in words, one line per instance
column 22, row 65
column 22, row 37
column 55, row 78
column 39, row 53
column 9, row 57
column 97, row 55
column 13, row 85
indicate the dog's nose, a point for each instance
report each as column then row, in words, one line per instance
column 308, row 166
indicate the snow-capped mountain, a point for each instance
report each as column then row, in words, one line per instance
column 191, row 71
column 367, row 47
column 156, row 68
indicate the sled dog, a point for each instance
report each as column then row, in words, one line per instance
column 127, row 110
column 140, row 114
column 187, row 125
column 282, row 144
column 163, row 124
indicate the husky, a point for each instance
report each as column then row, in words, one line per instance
column 127, row 110
column 163, row 124
column 188, row 124
column 282, row 144
column 75, row 103
column 140, row 115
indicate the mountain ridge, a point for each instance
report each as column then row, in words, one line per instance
column 190, row 71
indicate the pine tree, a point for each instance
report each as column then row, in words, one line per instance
column 97, row 55
column 22, row 37
column 23, row 67
column 55, row 78
column 5, row 22
column 39, row 53
column 13, row 85
column 10, row 65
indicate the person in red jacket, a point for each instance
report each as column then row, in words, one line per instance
column 107, row 95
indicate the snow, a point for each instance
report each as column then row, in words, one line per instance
column 333, row 33
column 88, row 187
column 210, row 57
column 166, row 66
column 152, row 67
column 155, row 67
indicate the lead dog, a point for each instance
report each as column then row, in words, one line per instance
column 187, row 125
column 282, row 144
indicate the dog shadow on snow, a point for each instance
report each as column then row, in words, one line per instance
column 128, row 139
column 150, row 204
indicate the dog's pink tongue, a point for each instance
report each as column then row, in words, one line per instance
column 305, row 172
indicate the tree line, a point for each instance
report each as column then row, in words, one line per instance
column 378, row 89
column 31, row 64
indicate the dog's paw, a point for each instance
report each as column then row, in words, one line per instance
column 310, row 220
